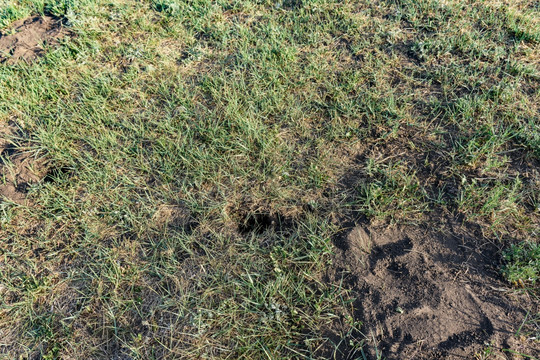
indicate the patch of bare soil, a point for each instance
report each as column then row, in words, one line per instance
column 25, row 39
column 426, row 293
column 20, row 171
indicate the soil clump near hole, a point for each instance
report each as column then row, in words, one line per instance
column 429, row 293
column 25, row 39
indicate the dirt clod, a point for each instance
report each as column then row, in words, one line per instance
column 25, row 39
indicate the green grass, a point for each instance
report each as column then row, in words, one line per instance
column 522, row 263
column 15, row 10
column 226, row 109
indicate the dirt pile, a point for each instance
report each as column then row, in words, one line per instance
column 25, row 39
column 428, row 294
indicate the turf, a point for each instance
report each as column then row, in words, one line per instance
column 198, row 154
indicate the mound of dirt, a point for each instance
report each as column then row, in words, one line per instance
column 25, row 39
column 426, row 294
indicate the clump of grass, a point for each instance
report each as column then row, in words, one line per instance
column 391, row 191
column 522, row 266
column 490, row 201
column 11, row 11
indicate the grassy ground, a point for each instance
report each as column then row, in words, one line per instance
column 198, row 154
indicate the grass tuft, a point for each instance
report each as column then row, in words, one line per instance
column 522, row 264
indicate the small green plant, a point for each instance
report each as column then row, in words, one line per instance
column 522, row 264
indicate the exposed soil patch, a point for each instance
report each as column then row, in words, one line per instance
column 429, row 294
column 25, row 39
column 22, row 169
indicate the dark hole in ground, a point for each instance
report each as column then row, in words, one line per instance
column 56, row 174
column 22, row 187
column 260, row 222
column 6, row 153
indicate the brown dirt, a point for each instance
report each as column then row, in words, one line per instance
column 426, row 293
column 25, row 38
column 22, row 170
